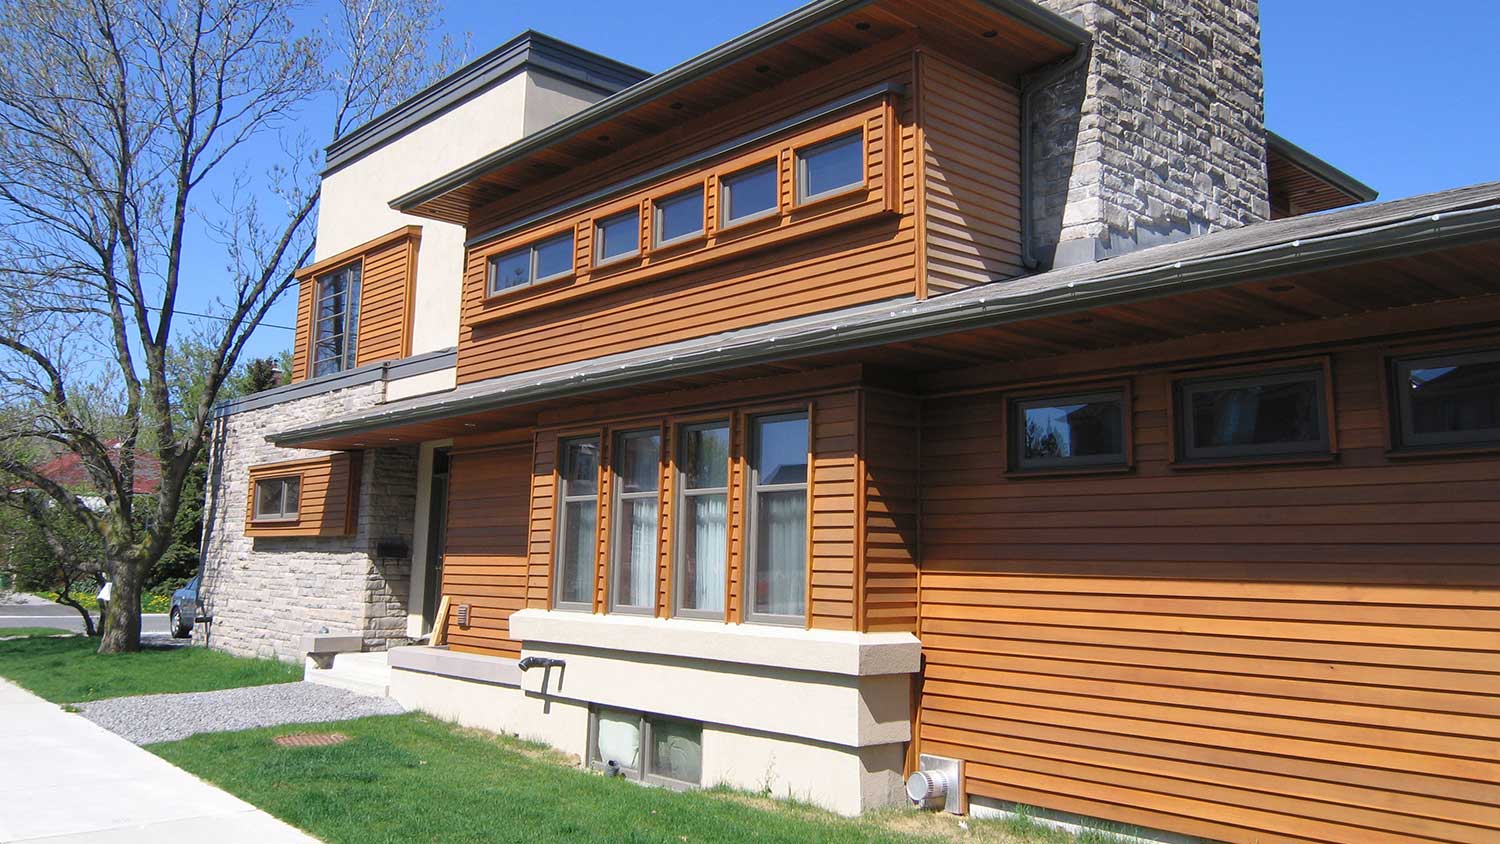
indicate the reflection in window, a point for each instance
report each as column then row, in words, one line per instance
column 577, row 536
column 778, row 510
column 1449, row 400
column 636, row 527
column 831, row 167
column 1260, row 415
column 617, row 237
column 1081, row 430
column 277, row 499
column 749, row 194
column 703, row 503
column 541, row 261
column 336, row 331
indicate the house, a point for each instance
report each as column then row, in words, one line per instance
column 966, row 388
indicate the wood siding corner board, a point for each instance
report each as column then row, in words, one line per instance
column 1252, row 653
column 388, row 274
column 328, row 502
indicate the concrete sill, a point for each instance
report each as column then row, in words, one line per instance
column 494, row 670
column 824, row 651
column 329, row 643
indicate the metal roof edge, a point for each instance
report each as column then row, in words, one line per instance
column 979, row 307
column 694, row 68
column 550, row 54
column 391, row 370
column 1321, row 168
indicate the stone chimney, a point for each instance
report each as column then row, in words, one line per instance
column 1161, row 138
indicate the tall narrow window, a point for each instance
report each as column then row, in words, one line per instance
column 336, row 321
column 1448, row 401
column 778, row 518
column 577, row 522
column 636, row 524
column 702, row 544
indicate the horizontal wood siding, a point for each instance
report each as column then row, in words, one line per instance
column 328, row 504
column 972, row 181
column 543, row 516
column 838, row 255
column 835, row 434
column 385, row 302
column 891, row 450
column 485, row 563
column 302, row 340
column 1268, row 654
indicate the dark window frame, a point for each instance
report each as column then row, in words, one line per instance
column 1183, row 427
column 346, row 356
column 533, row 252
column 753, row 491
column 658, row 212
column 680, row 495
column 1403, row 435
column 801, row 154
column 615, row 530
column 643, row 772
column 280, row 516
column 559, row 528
column 1016, row 406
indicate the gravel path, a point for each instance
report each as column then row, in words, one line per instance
column 151, row 718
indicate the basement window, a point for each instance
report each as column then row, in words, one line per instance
column 276, row 499
column 1446, row 401
column 831, row 168
column 1268, row 415
column 646, row 748
column 542, row 261
column 1065, row 432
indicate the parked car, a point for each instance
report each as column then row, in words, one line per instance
column 184, row 609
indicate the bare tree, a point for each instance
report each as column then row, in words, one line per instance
column 125, row 128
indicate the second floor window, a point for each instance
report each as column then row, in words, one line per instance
column 830, row 168
column 544, row 260
column 749, row 194
column 678, row 217
column 778, row 518
column 617, row 237
column 336, row 321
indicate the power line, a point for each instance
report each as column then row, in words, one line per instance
column 175, row 311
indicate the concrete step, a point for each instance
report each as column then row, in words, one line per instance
column 361, row 673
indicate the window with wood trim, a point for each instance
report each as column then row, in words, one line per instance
column 1076, row 431
column 545, row 260
column 617, row 237
column 677, row 218
column 577, row 523
column 1447, row 400
column 749, row 194
column 636, row 536
column 1257, row 415
column 831, row 168
column 779, row 457
column 336, row 320
column 276, row 499
column 701, row 544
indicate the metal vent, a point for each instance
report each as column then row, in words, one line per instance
column 462, row 615
column 938, row 783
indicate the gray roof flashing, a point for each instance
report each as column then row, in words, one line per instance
column 391, row 370
column 530, row 49
column 1262, row 250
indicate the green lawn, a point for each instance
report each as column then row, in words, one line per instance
column 17, row 632
column 69, row 671
column 413, row 778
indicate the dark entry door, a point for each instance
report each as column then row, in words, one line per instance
column 437, row 535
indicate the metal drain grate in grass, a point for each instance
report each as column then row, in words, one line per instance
column 311, row 739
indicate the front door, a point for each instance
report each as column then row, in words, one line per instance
column 437, row 534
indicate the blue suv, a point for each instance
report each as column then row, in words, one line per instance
column 185, row 609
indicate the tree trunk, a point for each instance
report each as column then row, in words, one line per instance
column 122, row 626
column 88, row 619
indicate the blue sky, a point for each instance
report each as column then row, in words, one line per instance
column 1404, row 97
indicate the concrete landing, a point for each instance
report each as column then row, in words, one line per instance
column 361, row 673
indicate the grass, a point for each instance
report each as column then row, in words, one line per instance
column 70, row 671
column 25, row 632
column 414, row 778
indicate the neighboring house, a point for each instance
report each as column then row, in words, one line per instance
column 67, row 470
column 902, row 382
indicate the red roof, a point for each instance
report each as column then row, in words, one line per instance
column 67, row 469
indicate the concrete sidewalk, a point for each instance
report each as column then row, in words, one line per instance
column 64, row 779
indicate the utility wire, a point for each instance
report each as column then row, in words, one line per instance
column 175, row 311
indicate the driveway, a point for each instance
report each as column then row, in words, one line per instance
column 67, row 780
column 30, row 611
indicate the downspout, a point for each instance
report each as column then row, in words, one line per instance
column 1031, row 87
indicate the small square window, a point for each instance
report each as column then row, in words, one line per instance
column 1448, row 400
column 749, row 194
column 277, row 499
column 678, row 217
column 1063, row 432
column 617, row 237
column 831, row 167
column 1269, row 415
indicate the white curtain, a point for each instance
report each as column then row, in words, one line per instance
column 638, row 579
column 709, row 546
column 783, row 552
column 577, row 550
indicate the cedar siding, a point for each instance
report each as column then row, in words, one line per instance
column 388, row 272
column 329, row 496
column 484, row 561
column 1268, row 653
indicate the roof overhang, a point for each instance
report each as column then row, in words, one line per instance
column 1253, row 253
column 1307, row 183
column 1017, row 35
